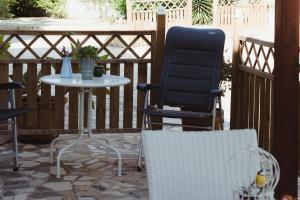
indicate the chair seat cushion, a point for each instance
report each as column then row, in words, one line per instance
column 152, row 111
column 10, row 113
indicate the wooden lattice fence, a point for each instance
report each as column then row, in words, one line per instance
column 36, row 52
column 252, row 89
column 141, row 14
column 255, row 15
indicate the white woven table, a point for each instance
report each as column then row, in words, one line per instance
column 85, row 86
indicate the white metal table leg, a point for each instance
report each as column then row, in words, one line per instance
column 52, row 145
column 81, row 133
column 89, row 127
column 62, row 151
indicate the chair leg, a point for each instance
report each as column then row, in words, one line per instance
column 214, row 115
column 15, row 145
column 139, row 165
column 221, row 112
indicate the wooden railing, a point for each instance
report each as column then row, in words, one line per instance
column 255, row 16
column 252, row 88
column 141, row 14
column 131, row 54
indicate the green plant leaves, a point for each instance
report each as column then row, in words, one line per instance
column 87, row 51
column 3, row 53
column 202, row 11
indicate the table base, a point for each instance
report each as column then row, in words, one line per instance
column 82, row 131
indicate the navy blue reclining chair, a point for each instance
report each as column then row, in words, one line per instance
column 8, row 116
column 190, row 76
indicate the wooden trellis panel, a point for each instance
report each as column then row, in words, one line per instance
column 40, row 54
column 141, row 14
column 254, row 89
column 255, row 15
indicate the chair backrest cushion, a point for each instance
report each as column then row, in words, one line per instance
column 192, row 59
column 196, row 165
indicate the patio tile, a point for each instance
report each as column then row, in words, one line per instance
column 86, row 178
column 58, row 186
column 86, row 174
column 86, row 198
column 70, row 178
column 21, row 179
column 8, row 198
column 24, row 190
column 40, row 175
column 42, row 159
column 53, row 171
column 28, row 164
column 82, row 183
column 37, row 182
column 27, row 154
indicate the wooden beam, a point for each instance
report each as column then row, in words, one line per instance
column 159, row 58
column 236, row 85
column 286, row 93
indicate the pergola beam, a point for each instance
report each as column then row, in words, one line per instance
column 286, row 93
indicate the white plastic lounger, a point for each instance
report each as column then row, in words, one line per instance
column 196, row 165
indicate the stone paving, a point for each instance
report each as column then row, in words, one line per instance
column 86, row 173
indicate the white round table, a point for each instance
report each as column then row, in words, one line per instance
column 85, row 86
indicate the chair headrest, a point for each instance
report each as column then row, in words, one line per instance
column 195, row 39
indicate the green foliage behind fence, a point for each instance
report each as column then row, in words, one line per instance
column 4, row 8
column 202, row 11
column 37, row 8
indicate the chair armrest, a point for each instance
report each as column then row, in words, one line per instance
column 216, row 92
column 145, row 87
column 11, row 85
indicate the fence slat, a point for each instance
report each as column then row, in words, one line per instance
column 142, row 72
column 262, row 112
column 100, row 108
column 46, row 100
column 241, row 99
column 114, row 99
column 18, row 76
column 251, row 102
column 245, row 104
column 59, row 105
column 256, row 104
column 3, row 79
column 128, row 97
column 32, row 95
column 73, row 102
column 3, row 94
column 267, row 118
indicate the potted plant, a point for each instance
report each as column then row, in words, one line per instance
column 87, row 58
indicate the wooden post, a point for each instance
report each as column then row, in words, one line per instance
column 159, row 57
column 286, row 94
column 234, row 112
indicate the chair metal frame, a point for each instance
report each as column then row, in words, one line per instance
column 214, row 92
column 146, row 120
column 10, row 87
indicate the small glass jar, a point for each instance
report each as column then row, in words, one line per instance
column 99, row 70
